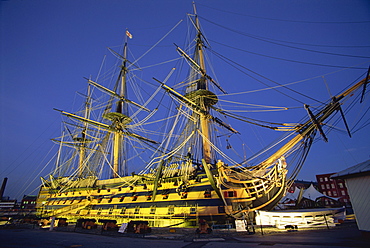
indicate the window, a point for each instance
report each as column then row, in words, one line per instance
column 343, row 192
column 340, row 185
column 152, row 209
column 110, row 211
column 171, row 209
column 329, row 193
column 328, row 186
column 123, row 210
column 193, row 210
column 335, row 193
column 326, row 179
column 322, row 186
column 207, row 193
column 332, row 186
column 137, row 210
column 230, row 194
column 221, row 209
column 321, row 180
column 166, row 192
column 184, row 195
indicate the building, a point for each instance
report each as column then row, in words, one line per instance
column 8, row 204
column 334, row 188
column 357, row 179
column 29, row 202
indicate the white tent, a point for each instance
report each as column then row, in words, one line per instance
column 312, row 194
column 292, row 196
column 289, row 200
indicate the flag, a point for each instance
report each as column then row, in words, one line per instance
column 128, row 34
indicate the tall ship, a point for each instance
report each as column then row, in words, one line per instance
column 161, row 152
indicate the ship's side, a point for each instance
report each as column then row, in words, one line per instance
column 175, row 203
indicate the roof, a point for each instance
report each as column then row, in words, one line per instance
column 29, row 197
column 360, row 169
column 312, row 194
column 309, row 193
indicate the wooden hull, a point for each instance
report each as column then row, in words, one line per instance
column 173, row 204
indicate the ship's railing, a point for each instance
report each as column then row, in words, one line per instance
column 258, row 186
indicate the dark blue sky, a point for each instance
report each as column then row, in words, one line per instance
column 47, row 47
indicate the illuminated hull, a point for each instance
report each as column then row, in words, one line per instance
column 174, row 205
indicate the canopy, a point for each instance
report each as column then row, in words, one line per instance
column 312, row 194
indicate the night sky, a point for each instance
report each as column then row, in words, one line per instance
column 47, row 47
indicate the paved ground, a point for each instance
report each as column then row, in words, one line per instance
column 346, row 235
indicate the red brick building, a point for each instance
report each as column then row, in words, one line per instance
column 334, row 188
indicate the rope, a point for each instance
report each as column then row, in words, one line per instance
column 156, row 43
column 230, row 62
column 167, row 155
column 216, row 148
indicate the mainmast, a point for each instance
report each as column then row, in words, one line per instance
column 201, row 92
